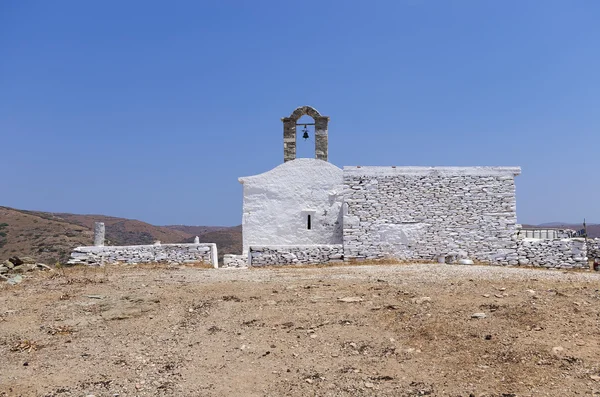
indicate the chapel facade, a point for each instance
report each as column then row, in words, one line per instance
column 307, row 210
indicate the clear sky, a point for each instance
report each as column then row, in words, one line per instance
column 152, row 110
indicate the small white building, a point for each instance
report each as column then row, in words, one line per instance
column 296, row 203
column 310, row 211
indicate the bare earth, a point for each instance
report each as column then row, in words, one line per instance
column 386, row 330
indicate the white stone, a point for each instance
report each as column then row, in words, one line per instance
column 99, row 232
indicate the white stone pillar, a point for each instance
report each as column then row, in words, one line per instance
column 99, row 234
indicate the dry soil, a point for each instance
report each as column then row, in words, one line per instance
column 386, row 330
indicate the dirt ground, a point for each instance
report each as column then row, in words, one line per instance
column 385, row 330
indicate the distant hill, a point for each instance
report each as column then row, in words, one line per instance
column 50, row 237
column 196, row 230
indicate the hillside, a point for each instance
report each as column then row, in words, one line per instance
column 50, row 237
column 196, row 230
column 46, row 238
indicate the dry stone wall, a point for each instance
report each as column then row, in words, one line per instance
column 291, row 255
column 234, row 261
column 428, row 212
column 172, row 253
column 555, row 253
column 593, row 249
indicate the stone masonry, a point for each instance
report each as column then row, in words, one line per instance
column 593, row 249
column 426, row 212
column 291, row 255
column 289, row 133
column 553, row 253
column 234, row 261
column 99, row 232
column 171, row 253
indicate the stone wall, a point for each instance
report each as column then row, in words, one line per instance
column 593, row 249
column 172, row 253
column 290, row 255
column 234, row 261
column 556, row 253
column 427, row 212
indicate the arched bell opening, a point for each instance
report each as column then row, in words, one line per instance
column 305, row 137
column 291, row 129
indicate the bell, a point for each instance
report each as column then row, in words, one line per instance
column 305, row 136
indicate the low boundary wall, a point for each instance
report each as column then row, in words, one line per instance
column 234, row 261
column 556, row 253
column 294, row 255
column 173, row 253
column 593, row 249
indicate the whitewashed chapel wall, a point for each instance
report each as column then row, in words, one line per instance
column 426, row 212
column 278, row 203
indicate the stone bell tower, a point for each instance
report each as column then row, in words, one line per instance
column 289, row 133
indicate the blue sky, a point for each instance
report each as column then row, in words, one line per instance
column 152, row 110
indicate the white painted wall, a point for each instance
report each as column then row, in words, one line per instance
column 277, row 203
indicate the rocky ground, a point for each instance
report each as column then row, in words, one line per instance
column 386, row 330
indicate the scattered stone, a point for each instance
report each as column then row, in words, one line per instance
column 558, row 349
column 465, row 262
column 350, row 299
column 478, row 315
column 44, row 266
column 15, row 260
column 369, row 385
column 595, row 377
column 15, row 280
column 421, row 300
column 27, row 260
